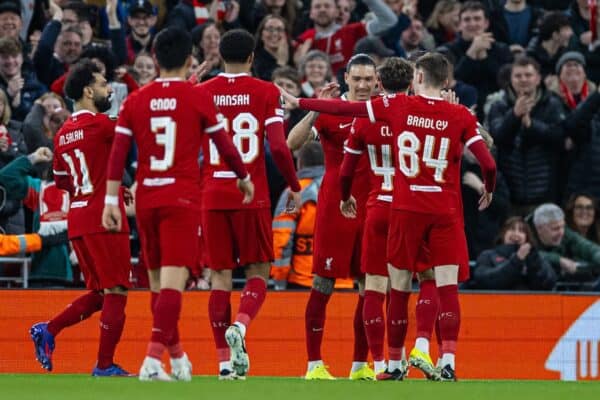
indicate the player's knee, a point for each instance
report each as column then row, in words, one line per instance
column 116, row 290
column 377, row 283
column 221, row 280
column 323, row 285
column 446, row 275
column 260, row 270
column 426, row 275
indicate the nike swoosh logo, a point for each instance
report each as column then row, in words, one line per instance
column 344, row 126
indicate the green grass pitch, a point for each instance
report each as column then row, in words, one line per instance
column 82, row 387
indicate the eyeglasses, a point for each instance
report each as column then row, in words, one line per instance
column 272, row 29
column 588, row 207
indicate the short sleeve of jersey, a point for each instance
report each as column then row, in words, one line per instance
column 380, row 108
column 356, row 141
column 212, row 119
column 274, row 112
column 123, row 125
column 471, row 133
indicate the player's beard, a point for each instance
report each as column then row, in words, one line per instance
column 102, row 103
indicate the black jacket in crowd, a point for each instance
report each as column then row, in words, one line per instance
column 529, row 157
column 501, row 269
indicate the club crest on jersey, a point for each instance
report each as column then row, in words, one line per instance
column 328, row 262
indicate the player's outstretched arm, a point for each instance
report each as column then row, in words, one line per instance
column 301, row 132
column 335, row 106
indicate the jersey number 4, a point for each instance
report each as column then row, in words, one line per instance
column 79, row 172
column 409, row 147
column 244, row 127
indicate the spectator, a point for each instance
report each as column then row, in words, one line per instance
column 553, row 39
column 444, row 21
column 478, row 54
column 583, row 128
column 582, row 39
column 190, row 13
column 293, row 233
column 571, row 84
column 272, row 47
column 289, row 79
column 515, row 24
column 514, row 264
column 315, row 69
column 77, row 14
column 467, row 94
column 583, row 216
column 12, row 144
column 10, row 19
column 573, row 257
column 391, row 37
column 525, row 124
column 57, row 49
column 49, row 205
column 481, row 227
column 345, row 8
column 253, row 12
column 206, row 38
column 144, row 69
column 18, row 82
column 141, row 21
column 45, row 118
column 339, row 41
column 411, row 40
column 374, row 48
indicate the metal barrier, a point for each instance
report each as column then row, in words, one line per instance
column 25, row 264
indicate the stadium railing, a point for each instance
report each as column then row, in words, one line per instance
column 25, row 265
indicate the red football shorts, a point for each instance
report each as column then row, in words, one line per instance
column 337, row 245
column 235, row 238
column 169, row 236
column 409, row 231
column 104, row 259
column 374, row 240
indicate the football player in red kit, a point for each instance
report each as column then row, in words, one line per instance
column 82, row 147
column 337, row 242
column 430, row 135
column 168, row 119
column 253, row 116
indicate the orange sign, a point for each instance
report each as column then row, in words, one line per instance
column 503, row 336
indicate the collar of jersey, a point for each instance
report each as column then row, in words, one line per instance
column 174, row 79
column 430, row 98
column 226, row 75
column 81, row 112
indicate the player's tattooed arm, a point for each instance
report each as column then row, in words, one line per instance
column 302, row 132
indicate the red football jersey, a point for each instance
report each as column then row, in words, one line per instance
column 81, row 148
column 167, row 119
column 248, row 105
column 339, row 45
column 333, row 132
column 378, row 141
column 430, row 134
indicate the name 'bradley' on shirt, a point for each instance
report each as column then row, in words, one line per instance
column 426, row 123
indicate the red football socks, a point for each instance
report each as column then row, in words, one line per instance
column 112, row 321
column 374, row 322
column 219, row 313
column 173, row 346
column 166, row 316
column 397, row 322
column 252, row 297
column 449, row 317
column 315, row 323
column 361, row 345
column 426, row 309
column 77, row 311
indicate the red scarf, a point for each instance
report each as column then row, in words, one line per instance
column 593, row 4
column 568, row 96
column 202, row 11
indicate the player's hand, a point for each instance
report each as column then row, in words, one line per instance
column 42, row 154
column 290, row 102
column 329, row 91
column 247, row 188
column 294, row 201
column 348, row 207
column 485, row 200
column 127, row 196
column 450, row 96
column 111, row 218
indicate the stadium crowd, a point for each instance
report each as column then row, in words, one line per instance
column 529, row 70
